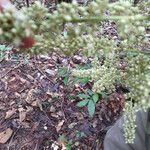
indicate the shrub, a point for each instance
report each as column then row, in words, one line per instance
column 72, row 27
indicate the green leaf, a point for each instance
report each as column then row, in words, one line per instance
column 62, row 71
column 91, row 108
column 68, row 145
column 62, row 138
column 90, row 92
column 82, row 103
column 80, row 134
column 85, row 66
column 83, row 80
column 65, row 80
column 84, row 96
column 4, row 48
column 95, row 98
column 103, row 94
column 70, row 97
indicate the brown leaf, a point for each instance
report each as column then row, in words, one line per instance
column 9, row 113
column 29, row 98
column 95, row 123
column 50, row 72
column 37, row 103
column 5, row 135
column 54, row 115
column 60, row 113
column 52, row 109
column 30, row 77
column 55, row 146
column 79, row 116
column 72, row 125
column 60, row 124
column 23, row 80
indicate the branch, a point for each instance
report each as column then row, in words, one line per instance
column 106, row 18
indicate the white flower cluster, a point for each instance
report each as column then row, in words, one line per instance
column 14, row 25
column 51, row 34
column 129, row 123
column 104, row 76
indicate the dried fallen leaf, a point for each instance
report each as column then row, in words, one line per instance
column 54, row 115
column 62, row 143
column 60, row 124
column 30, row 77
column 52, row 109
column 37, row 103
column 95, row 123
column 22, row 114
column 55, row 146
column 50, row 72
column 60, row 113
column 79, row 116
column 9, row 113
column 5, row 135
column 23, row 80
column 72, row 125
column 29, row 98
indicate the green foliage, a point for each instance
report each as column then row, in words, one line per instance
column 68, row 143
column 80, row 134
column 83, row 103
column 89, row 99
column 91, row 107
column 104, row 76
column 3, row 49
column 63, row 72
column 83, row 80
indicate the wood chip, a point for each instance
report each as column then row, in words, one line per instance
column 5, row 135
column 22, row 114
column 10, row 113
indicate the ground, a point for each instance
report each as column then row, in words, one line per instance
column 40, row 110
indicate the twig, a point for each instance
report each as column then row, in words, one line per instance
column 43, row 74
column 11, row 70
column 105, row 18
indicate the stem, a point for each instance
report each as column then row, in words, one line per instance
column 105, row 18
column 27, row 2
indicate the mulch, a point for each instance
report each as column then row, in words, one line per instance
column 41, row 110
